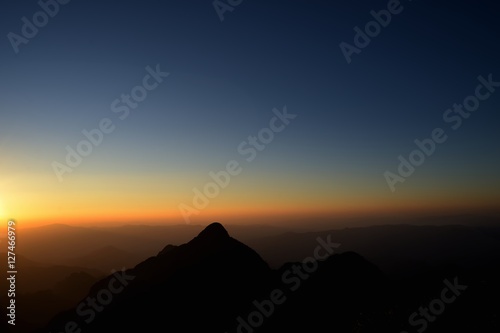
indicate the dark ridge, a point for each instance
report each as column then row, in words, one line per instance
column 167, row 249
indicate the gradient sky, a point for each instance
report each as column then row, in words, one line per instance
column 353, row 122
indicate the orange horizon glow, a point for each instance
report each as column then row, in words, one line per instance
column 155, row 198
column 231, row 216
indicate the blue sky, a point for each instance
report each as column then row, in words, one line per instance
column 226, row 77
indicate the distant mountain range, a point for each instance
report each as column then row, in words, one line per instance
column 63, row 244
column 35, row 276
column 388, row 246
column 396, row 249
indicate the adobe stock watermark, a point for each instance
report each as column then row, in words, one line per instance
column 249, row 148
column 222, row 6
column 292, row 280
column 420, row 320
column 30, row 28
column 122, row 107
column 92, row 305
column 372, row 29
column 453, row 116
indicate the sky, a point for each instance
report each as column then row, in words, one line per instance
column 348, row 121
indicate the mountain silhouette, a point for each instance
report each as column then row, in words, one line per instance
column 178, row 283
column 214, row 283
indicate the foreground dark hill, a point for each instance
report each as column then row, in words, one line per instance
column 212, row 280
column 214, row 283
column 180, row 286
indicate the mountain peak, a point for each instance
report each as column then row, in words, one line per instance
column 214, row 231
